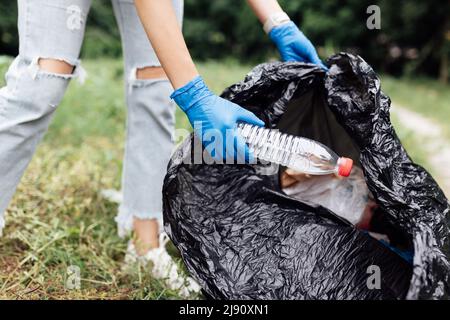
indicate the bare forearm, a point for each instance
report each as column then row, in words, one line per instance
column 162, row 28
column 264, row 8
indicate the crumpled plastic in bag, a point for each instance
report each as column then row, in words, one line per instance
column 347, row 197
column 242, row 237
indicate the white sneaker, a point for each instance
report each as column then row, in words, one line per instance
column 163, row 267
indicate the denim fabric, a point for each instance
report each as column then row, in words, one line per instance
column 54, row 29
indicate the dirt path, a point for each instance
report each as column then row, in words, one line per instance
column 437, row 148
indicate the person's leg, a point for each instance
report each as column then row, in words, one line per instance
column 50, row 35
column 150, row 125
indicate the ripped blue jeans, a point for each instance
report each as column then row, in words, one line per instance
column 54, row 29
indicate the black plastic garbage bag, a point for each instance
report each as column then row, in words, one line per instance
column 241, row 237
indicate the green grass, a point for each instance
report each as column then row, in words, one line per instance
column 428, row 97
column 57, row 218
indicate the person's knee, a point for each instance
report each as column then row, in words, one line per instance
column 55, row 66
column 41, row 82
column 150, row 73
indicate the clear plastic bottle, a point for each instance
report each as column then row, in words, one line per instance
column 298, row 153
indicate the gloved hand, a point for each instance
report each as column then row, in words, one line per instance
column 206, row 111
column 293, row 45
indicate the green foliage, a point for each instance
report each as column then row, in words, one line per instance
column 102, row 34
column 430, row 98
column 58, row 217
column 413, row 37
column 416, row 28
column 8, row 28
column 222, row 28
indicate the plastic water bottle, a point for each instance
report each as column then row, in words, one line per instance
column 298, row 153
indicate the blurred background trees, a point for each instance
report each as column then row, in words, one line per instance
column 414, row 37
column 82, row 152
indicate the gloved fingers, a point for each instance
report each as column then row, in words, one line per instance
column 235, row 149
column 212, row 141
column 305, row 52
column 323, row 66
column 313, row 57
column 292, row 58
column 219, row 155
column 316, row 60
column 243, row 153
column 250, row 118
column 229, row 150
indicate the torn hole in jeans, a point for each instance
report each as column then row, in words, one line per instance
column 78, row 72
column 135, row 82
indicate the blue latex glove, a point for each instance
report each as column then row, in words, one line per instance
column 293, row 45
column 212, row 112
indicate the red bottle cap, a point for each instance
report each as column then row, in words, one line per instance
column 345, row 166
